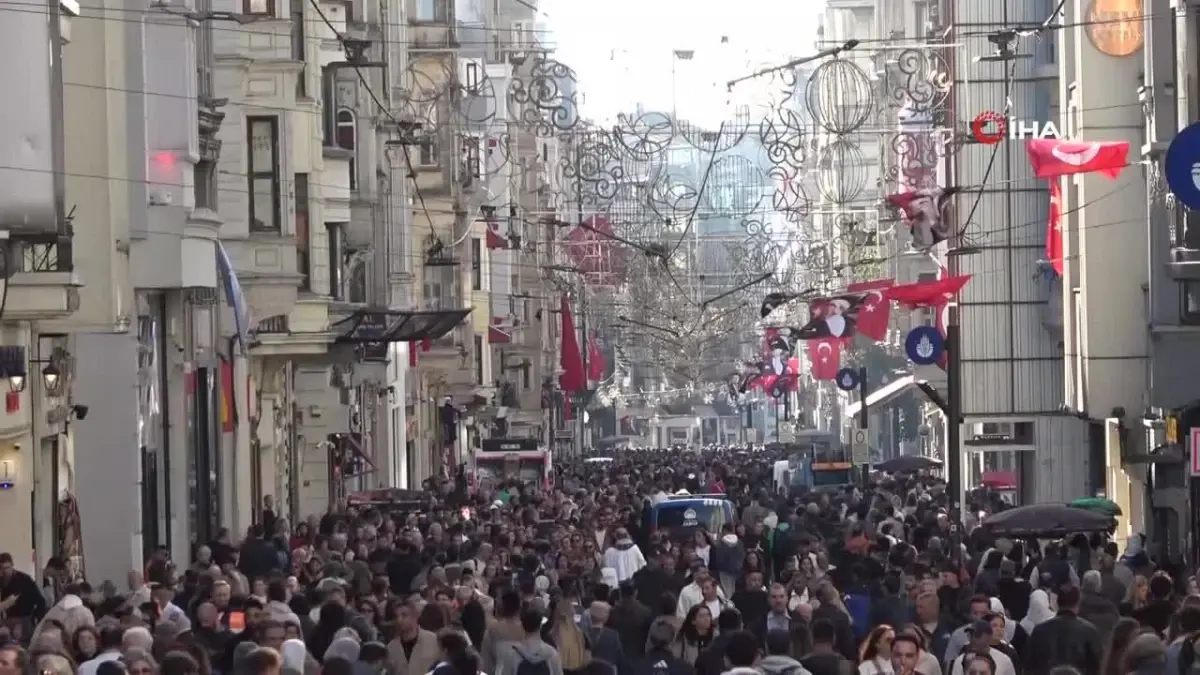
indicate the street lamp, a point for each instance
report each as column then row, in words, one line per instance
column 52, row 379
column 16, row 383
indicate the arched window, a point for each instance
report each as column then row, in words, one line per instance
column 347, row 132
column 347, row 139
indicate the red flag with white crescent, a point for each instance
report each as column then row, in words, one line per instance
column 825, row 357
column 1051, row 158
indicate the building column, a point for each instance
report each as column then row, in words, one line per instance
column 241, row 514
column 109, row 461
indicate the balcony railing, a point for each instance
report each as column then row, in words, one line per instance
column 43, row 256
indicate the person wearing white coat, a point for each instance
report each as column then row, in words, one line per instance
column 624, row 557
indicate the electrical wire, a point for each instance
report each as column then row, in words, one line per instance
column 149, row 13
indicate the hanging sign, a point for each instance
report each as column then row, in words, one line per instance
column 847, row 379
column 924, row 345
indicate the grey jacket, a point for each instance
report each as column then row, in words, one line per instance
column 510, row 656
column 782, row 665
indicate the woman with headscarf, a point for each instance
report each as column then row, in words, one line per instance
column 345, row 647
column 1039, row 611
column 295, row 657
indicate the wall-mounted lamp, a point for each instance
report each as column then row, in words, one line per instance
column 52, row 380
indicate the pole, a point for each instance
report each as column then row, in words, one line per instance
column 582, row 396
column 864, row 416
column 954, row 487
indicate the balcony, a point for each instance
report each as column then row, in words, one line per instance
column 44, row 285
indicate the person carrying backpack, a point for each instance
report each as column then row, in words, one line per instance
column 530, row 656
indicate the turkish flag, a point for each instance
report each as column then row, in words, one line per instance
column 825, row 355
column 928, row 293
column 925, row 211
column 875, row 313
column 1054, row 235
column 1052, row 158
column 495, row 240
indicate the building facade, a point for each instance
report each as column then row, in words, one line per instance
column 41, row 284
column 1011, row 351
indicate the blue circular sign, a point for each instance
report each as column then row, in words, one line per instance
column 847, row 379
column 924, row 345
column 1182, row 166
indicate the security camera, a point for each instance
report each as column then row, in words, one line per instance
column 80, row 411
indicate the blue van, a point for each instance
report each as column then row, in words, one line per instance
column 683, row 514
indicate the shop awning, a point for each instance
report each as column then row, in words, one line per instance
column 882, row 396
column 365, row 326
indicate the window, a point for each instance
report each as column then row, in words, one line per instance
column 258, row 7
column 478, row 359
column 1190, row 292
column 471, row 77
column 430, row 11
column 526, row 378
column 303, row 261
column 299, row 47
column 496, row 52
column 429, row 155
column 472, row 158
column 476, row 264
column 336, row 280
column 204, row 185
column 263, row 139
column 522, row 35
column 346, row 138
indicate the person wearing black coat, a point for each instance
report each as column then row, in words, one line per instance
column 1065, row 640
column 658, row 659
column 890, row 608
column 831, row 611
column 631, row 619
column 258, row 558
column 403, row 568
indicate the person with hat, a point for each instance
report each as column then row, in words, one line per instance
column 979, row 632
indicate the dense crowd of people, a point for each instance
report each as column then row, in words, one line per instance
column 878, row 579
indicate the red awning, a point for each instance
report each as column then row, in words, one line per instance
column 999, row 480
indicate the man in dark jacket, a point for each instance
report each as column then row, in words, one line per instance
column 257, row 558
column 631, row 619
column 403, row 568
column 1095, row 607
column 658, row 659
column 605, row 642
column 825, row 659
column 1065, row 640
column 712, row 660
column 656, row 577
column 831, row 611
column 890, row 607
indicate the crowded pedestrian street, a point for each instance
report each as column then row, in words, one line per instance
column 642, row 562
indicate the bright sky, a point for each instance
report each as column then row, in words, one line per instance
column 623, row 51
